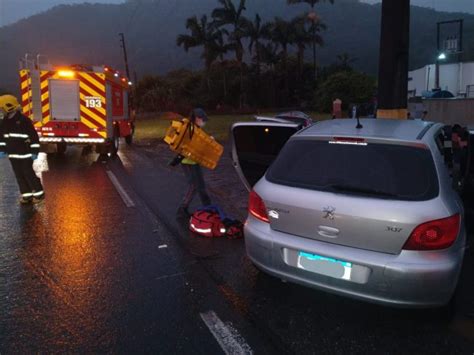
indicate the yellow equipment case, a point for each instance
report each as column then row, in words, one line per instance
column 190, row 141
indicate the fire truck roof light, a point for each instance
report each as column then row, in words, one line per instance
column 66, row 73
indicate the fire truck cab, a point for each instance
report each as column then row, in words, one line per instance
column 77, row 105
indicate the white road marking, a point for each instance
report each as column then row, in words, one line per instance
column 123, row 194
column 227, row 336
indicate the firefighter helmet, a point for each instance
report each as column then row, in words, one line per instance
column 9, row 103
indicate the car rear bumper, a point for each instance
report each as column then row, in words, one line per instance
column 409, row 279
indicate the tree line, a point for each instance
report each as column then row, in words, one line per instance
column 249, row 63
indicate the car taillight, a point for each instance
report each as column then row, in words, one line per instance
column 257, row 207
column 434, row 235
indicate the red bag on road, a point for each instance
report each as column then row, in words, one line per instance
column 211, row 222
column 207, row 224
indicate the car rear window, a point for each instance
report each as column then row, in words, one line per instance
column 375, row 170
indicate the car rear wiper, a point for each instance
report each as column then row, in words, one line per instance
column 352, row 188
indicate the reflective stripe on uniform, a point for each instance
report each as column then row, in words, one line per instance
column 39, row 193
column 17, row 135
column 29, row 194
column 2, row 144
column 35, row 146
column 19, row 156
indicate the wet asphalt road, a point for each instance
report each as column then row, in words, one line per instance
column 84, row 273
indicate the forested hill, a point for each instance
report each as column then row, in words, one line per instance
column 88, row 33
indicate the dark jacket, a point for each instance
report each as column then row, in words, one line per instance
column 19, row 137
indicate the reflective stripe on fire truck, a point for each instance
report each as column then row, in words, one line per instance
column 92, row 85
column 26, row 94
column 16, row 135
column 33, row 146
column 44, row 85
column 20, row 156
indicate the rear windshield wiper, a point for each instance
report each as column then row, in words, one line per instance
column 363, row 190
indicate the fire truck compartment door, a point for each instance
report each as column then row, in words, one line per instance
column 64, row 100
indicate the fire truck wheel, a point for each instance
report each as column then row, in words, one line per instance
column 61, row 148
column 129, row 138
column 114, row 145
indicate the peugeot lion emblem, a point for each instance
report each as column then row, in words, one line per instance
column 329, row 213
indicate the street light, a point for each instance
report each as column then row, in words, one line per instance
column 441, row 56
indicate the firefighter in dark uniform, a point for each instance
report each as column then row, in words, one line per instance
column 20, row 142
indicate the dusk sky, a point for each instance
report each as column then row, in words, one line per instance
column 13, row 10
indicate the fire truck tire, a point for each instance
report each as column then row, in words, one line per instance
column 61, row 148
column 129, row 138
column 115, row 143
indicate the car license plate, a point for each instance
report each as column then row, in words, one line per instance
column 325, row 266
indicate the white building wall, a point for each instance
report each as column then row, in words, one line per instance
column 468, row 76
column 417, row 81
column 452, row 77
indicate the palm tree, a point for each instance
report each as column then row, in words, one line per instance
column 203, row 34
column 219, row 49
column 226, row 15
column 270, row 57
column 345, row 60
column 302, row 36
column 315, row 21
column 256, row 31
column 282, row 34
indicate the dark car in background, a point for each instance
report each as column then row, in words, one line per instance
column 297, row 117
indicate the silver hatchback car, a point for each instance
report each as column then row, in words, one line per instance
column 369, row 213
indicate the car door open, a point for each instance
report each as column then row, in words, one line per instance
column 255, row 145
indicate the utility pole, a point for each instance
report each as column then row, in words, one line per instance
column 393, row 59
column 122, row 41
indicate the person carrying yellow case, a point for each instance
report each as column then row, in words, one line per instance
column 192, row 170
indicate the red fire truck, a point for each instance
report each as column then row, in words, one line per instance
column 77, row 105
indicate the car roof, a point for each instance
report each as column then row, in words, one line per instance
column 405, row 130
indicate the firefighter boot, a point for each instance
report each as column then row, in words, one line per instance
column 38, row 199
column 25, row 200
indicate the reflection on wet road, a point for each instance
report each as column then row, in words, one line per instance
column 83, row 273
column 54, row 281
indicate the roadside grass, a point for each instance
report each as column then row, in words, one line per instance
column 154, row 128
